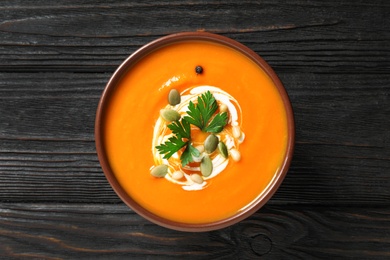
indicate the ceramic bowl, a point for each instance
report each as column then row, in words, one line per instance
column 125, row 68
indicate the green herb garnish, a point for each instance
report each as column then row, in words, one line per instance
column 201, row 114
column 186, row 156
column 182, row 138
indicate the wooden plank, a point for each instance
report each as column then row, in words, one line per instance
column 47, row 150
column 334, row 59
column 99, row 35
column 50, row 106
column 53, row 231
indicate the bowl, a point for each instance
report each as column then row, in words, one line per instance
column 162, row 88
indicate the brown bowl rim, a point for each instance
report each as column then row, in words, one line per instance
column 110, row 88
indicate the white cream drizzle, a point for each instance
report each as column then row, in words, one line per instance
column 161, row 134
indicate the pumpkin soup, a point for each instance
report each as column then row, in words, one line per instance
column 195, row 132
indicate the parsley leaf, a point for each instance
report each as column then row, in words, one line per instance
column 217, row 123
column 182, row 128
column 194, row 117
column 170, row 147
column 201, row 113
column 186, row 156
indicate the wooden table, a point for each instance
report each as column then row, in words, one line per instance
column 333, row 58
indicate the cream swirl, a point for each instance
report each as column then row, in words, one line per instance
column 232, row 140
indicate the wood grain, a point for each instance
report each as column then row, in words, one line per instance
column 58, row 231
column 333, row 58
column 97, row 36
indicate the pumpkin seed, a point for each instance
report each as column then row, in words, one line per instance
column 223, row 149
column 206, row 166
column 197, row 178
column 174, row 97
column 211, row 143
column 169, row 115
column 159, row 171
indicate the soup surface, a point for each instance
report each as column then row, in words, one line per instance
column 134, row 108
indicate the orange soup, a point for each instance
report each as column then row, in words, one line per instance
column 134, row 108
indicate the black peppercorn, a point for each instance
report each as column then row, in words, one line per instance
column 198, row 69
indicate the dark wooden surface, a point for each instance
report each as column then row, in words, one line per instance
column 333, row 58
